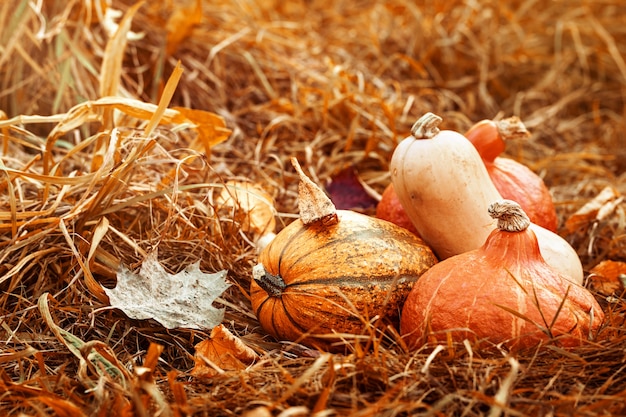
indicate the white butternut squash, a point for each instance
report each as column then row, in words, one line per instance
column 446, row 191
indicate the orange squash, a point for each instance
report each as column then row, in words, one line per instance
column 503, row 292
column 321, row 280
column 513, row 180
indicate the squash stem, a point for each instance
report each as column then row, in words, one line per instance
column 314, row 205
column 510, row 216
column 272, row 284
column 512, row 128
column 426, row 126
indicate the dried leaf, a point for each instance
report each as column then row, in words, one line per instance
column 313, row 204
column 181, row 24
column 595, row 210
column 348, row 192
column 210, row 127
column 181, row 300
column 253, row 207
column 608, row 277
column 222, row 352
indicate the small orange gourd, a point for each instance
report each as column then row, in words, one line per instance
column 324, row 276
column 513, row 180
column 503, row 292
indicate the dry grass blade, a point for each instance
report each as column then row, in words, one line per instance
column 76, row 346
column 111, row 69
column 504, row 392
column 168, row 92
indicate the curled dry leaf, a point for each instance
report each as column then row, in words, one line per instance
column 348, row 192
column 181, row 23
column 596, row 209
column 181, row 300
column 222, row 352
column 253, row 207
column 210, row 127
column 608, row 277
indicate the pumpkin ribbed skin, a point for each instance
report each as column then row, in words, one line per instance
column 336, row 276
column 483, row 294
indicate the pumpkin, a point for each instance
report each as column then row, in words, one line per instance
column 445, row 190
column 513, row 180
column 325, row 276
column 389, row 208
column 503, row 292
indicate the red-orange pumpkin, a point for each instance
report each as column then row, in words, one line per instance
column 503, row 292
column 513, row 180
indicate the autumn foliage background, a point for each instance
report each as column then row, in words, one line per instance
column 95, row 175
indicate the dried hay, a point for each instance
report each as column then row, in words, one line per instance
column 89, row 181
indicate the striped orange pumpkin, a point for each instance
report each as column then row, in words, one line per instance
column 316, row 284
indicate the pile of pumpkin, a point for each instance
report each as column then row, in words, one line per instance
column 478, row 261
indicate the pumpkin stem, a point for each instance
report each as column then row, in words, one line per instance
column 512, row 128
column 272, row 284
column 426, row 126
column 510, row 216
column 313, row 203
